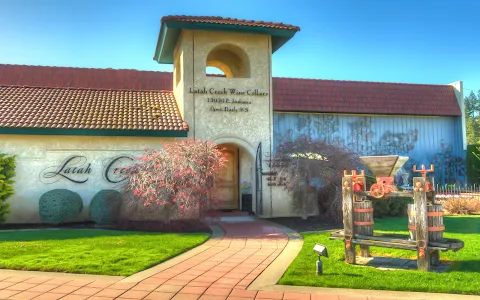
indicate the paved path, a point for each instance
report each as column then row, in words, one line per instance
column 221, row 269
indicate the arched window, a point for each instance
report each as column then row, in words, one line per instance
column 229, row 59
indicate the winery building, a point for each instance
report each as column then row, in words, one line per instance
column 73, row 128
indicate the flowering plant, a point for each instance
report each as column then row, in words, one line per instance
column 178, row 179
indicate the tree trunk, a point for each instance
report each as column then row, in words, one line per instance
column 304, row 201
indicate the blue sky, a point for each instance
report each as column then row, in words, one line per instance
column 415, row 41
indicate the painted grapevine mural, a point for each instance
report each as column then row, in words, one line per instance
column 425, row 141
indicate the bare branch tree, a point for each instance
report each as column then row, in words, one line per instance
column 307, row 166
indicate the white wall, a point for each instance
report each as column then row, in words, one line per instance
column 38, row 155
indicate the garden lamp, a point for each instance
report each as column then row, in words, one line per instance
column 321, row 250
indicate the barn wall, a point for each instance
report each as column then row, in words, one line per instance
column 426, row 140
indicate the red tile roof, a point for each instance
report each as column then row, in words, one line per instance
column 230, row 21
column 76, row 108
column 357, row 97
column 289, row 94
column 85, row 78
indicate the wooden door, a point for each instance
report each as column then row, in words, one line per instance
column 227, row 186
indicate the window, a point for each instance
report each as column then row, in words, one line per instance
column 229, row 60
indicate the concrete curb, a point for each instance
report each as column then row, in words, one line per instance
column 73, row 276
column 272, row 274
column 215, row 238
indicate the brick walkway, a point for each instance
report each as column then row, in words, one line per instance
column 221, row 272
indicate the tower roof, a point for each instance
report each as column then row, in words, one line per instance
column 171, row 27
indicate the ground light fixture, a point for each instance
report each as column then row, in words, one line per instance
column 321, row 250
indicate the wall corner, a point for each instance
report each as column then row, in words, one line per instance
column 458, row 89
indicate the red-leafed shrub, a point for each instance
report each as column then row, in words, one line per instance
column 313, row 169
column 175, row 182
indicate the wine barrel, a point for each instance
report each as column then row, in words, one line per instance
column 363, row 217
column 435, row 222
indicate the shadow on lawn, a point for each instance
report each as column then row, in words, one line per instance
column 465, row 266
column 63, row 234
column 463, row 225
column 342, row 274
column 35, row 232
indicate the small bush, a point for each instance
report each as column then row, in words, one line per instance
column 105, row 207
column 391, row 207
column 461, row 205
column 380, row 208
column 473, row 205
column 59, row 206
column 473, row 164
column 7, row 172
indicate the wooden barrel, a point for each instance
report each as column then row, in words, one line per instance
column 363, row 217
column 435, row 222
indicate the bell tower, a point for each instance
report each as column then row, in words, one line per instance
column 234, row 109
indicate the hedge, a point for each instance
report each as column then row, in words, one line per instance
column 391, row 207
column 7, row 172
column 59, row 206
column 105, row 207
column 473, row 164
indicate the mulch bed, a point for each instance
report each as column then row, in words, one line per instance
column 80, row 225
column 310, row 224
column 149, row 226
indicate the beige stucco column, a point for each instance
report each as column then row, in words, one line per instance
column 236, row 109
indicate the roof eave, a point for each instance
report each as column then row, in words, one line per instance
column 311, row 111
column 170, row 32
column 93, row 132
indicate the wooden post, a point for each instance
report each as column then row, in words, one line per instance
column 364, row 249
column 431, row 194
column 347, row 195
column 421, row 223
column 435, row 258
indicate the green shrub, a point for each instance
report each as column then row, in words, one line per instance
column 473, row 164
column 105, row 206
column 391, row 207
column 7, row 172
column 60, row 206
column 369, row 180
column 380, row 208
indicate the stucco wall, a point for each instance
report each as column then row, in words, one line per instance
column 37, row 155
column 245, row 173
column 243, row 128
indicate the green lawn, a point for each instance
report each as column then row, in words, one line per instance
column 104, row 252
column 462, row 277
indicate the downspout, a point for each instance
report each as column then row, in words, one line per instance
column 193, row 83
column 270, row 115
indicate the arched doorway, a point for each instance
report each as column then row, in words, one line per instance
column 227, row 187
column 237, row 191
